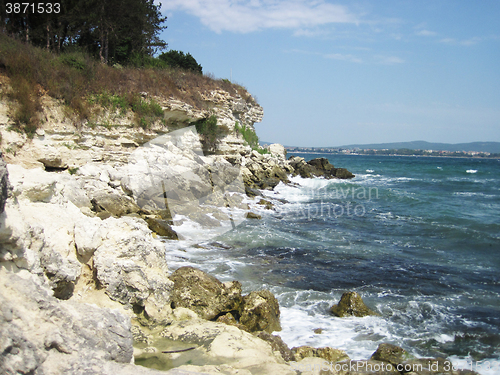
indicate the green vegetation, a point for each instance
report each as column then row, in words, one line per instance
column 72, row 170
column 111, row 30
column 80, row 81
column 177, row 59
column 210, row 133
column 250, row 138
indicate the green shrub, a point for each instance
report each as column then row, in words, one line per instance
column 210, row 133
column 146, row 111
column 248, row 134
column 74, row 60
column 177, row 59
column 250, row 138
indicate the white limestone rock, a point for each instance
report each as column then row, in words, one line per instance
column 277, row 150
column 131, row 264
column 222, row 343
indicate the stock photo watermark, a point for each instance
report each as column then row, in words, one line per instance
column 382, row 367
column 333, row 202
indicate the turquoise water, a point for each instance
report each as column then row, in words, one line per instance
column 418, row 238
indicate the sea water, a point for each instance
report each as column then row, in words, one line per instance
column 417, row 237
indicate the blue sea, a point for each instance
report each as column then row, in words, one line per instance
column 417, row 237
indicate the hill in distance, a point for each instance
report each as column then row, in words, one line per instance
column 492, row 147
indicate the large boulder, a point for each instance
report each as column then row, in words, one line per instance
column 351, row 304
column 204, row 294
column 319, row 167
column 300, row 167
column 260, row 312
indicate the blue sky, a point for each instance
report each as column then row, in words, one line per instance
column 331, row 73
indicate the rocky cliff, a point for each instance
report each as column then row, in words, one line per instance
column 85, row 208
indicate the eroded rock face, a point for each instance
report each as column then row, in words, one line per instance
column 44, row 232
column 132, row 267
column 351, row 304
column 41, row 334
column 260, row 312
column 203, row 293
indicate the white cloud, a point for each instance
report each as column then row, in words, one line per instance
column 464, row 42
column 343, row 57
column 425, row 33
column 332, row 56
column 470, row 41
column 389, row 60
column 244, row 16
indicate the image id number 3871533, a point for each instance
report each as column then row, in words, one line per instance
column 39, row 8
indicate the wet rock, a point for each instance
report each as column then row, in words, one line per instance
column 252, row 192
column 327, row 353
column 319, row 167
column 300, row 167
column 277, row 344
column 162, row 228
column 343, row 173
column 260, row 312
column 389, row 353
column 252, row 215
column 203, row 293
column 351, row 304
column 268, row 205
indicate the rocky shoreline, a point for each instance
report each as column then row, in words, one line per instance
column 84, row 215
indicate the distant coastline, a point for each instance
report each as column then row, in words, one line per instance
column 404, row 152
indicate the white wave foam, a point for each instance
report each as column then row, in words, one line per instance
column 359, row 337
column 471, row 170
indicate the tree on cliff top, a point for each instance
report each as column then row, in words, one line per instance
column 177, row 59
column 114, row 30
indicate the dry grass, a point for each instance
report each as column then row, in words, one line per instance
column 75, row 78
